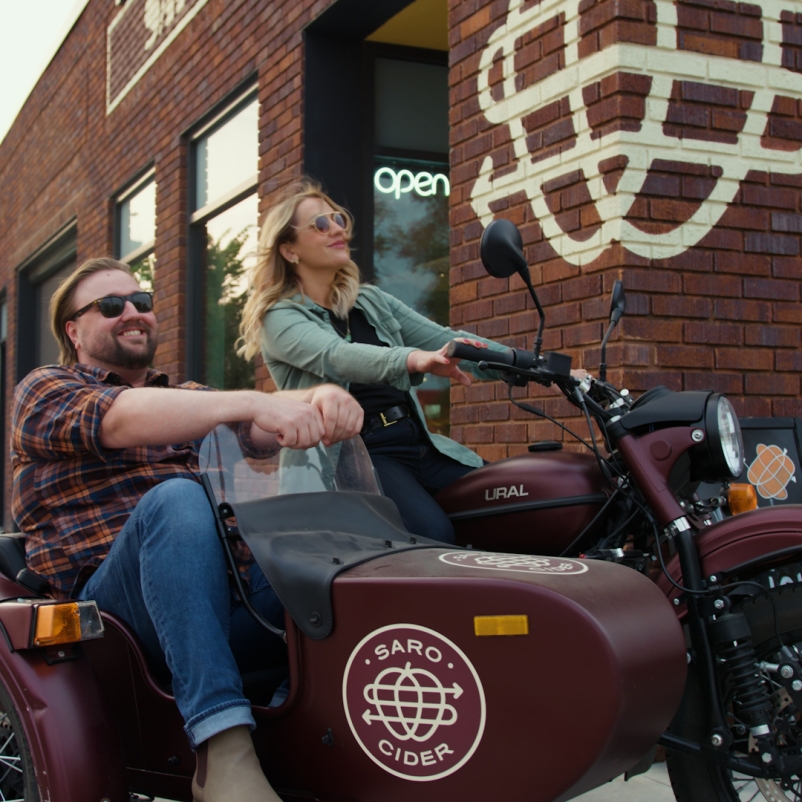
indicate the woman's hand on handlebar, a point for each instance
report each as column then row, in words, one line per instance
column 439, row 364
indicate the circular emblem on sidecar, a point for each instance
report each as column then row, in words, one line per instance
column 521, row 563
column 414, row 702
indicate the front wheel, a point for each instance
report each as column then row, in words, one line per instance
column 696, row 780
column 17, row 775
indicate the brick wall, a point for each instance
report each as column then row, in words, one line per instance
column 671, row 163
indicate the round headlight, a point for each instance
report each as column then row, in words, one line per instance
column 724, row 456
column 732, row 441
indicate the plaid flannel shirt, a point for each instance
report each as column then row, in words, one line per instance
column 71, row 495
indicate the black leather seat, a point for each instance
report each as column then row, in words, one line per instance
column 12, row 563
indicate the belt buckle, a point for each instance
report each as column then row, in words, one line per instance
column 386, row 422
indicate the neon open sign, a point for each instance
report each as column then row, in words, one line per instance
column 390, row 182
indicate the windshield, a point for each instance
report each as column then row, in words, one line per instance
column 237, row 471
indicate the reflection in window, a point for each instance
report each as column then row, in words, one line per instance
column 138, row 219
column 228, row 156
column 223, row 240
column 231, row 241
column 411, row 253
column 144, row 270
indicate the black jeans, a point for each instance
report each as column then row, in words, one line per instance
column 411, row 471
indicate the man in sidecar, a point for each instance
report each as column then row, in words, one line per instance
column 105, row 459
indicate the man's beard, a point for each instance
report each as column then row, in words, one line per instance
column 114, row 352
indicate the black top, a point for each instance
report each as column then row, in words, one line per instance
column 373, row 398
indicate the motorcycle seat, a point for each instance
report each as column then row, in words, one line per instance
column 12, row 563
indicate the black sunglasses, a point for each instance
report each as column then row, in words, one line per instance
column 113, row 305
column 321, row 221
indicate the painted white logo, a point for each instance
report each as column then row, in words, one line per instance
column 390, row 182
column 520, row 563
column 665, row 64
column 159, row 16
column 493, row 493
column 414, row 702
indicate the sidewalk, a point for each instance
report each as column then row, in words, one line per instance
column 653, row 786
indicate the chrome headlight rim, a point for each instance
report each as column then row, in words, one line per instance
column 724, row 438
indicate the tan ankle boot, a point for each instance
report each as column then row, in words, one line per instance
column 228, row 770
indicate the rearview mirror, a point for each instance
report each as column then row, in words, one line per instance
column 502, row 249
column 618, row 302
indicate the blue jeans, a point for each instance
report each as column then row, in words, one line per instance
column 166, row 576
column 412, row 471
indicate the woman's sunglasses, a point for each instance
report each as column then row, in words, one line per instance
column 321, row 222
column 113, row 305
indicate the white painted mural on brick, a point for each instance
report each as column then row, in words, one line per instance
column 159, row 16
column 665, row 64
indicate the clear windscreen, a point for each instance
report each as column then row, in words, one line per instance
column 238, row 471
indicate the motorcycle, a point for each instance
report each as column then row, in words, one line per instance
column 639, row 495
column 412, row 669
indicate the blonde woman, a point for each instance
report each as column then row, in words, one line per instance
column 314, row 322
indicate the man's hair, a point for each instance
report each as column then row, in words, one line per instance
column 62, row 307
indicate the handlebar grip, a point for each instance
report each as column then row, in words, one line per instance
column 472, row 354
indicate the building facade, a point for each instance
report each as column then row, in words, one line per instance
column 649, row 141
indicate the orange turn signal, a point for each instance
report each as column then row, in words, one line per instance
column 741, row 497
column 66, row 622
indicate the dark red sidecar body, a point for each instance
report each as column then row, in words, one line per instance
column 416, row 693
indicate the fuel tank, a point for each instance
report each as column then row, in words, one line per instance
column 536, row 503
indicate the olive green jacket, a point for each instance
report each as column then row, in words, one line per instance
column 301, row 348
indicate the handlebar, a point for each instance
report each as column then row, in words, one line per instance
column 520, row 367
column 512, row 357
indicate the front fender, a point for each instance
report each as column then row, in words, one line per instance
column 767, row 535
column 73, row 738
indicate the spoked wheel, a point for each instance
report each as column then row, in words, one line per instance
column 695, row 780
column 17, row 775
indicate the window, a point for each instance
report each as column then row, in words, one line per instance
column 136, row 229
column 38, row 278
column 410, row 189
column 223, row 237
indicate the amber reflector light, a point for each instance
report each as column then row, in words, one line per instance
column 741, row 498
column 501, row 625
column 67, row 623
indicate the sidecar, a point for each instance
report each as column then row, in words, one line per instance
column 414, row 669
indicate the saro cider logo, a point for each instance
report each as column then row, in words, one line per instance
column 510, row 96
column 519, row 563
column 771, row 471
column 414, row 702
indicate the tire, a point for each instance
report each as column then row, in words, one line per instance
column 695, row 780
column 17, row 773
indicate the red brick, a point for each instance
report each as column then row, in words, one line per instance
column 681, row 306
column 713, row 333
column 771, row 384
column 740, row 359
column 686, row 356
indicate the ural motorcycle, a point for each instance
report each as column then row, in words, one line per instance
column 639, row 495
column 413, row 671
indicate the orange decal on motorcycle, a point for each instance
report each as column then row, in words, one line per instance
column 521, row 563
column 414, row 702
column 771, row 472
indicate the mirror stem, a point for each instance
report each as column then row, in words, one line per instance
column 539, row 337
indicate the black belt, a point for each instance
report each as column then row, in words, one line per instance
column 386, row 418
